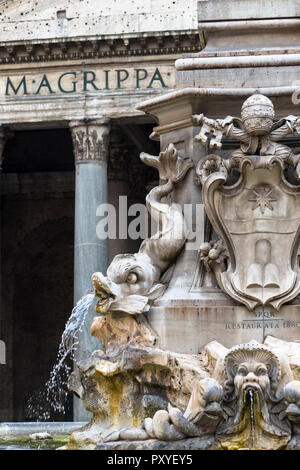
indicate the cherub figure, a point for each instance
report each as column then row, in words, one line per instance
column 257, row 131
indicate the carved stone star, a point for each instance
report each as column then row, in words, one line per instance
column 262, row 199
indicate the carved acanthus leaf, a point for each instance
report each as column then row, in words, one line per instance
column 90, row 140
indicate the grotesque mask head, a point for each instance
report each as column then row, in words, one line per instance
column 251, row 366
column 252, row 375
column 251, row 396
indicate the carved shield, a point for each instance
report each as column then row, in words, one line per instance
column 258, row 218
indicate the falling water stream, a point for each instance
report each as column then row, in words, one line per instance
column 251, row 395
column 52, row 398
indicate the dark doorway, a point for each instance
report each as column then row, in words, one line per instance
column 39, row 150
column 43, row 280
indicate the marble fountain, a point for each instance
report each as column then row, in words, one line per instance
column 199, row 346
column 199, row 332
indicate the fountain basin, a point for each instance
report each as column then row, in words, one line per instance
column 15, row 436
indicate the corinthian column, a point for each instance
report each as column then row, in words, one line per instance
column 91, row 148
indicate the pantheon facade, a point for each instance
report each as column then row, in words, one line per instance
column 72, row 73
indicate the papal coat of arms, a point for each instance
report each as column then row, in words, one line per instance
column 256, row 216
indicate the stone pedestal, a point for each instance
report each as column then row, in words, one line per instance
column 239, row 56
column 245, row 44
column 191, row 313
column 91, row 146
column 187, row 329
column 207, row 294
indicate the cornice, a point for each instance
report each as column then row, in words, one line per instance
column 178, row 42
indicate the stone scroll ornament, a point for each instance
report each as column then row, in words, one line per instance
column 134, row 281
column 256, row 218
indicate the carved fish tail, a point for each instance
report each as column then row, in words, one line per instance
column 155, row 207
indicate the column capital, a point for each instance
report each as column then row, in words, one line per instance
column 90, row 139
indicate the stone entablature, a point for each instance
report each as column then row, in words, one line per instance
column 106, row 76
column 64, row 91
column 131, row 44
column 63, row 60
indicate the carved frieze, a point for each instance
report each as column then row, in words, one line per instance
column 108, row 46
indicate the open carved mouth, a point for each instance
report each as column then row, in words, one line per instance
column 105, row 292
column 111, row 299
column 251, row 393
column 251, row 387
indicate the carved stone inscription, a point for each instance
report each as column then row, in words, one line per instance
column 267, row 321
column 95, row 79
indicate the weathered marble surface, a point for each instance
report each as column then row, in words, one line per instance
column 291, row 350
column 196, row 443
column 189, row 328
column 257, row 408
column 131, row 384
column 244, row 37
column 73, row 18
column 135, row 383
column 255, row 9
column 294, row 444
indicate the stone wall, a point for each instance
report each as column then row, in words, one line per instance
column 33, row 20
